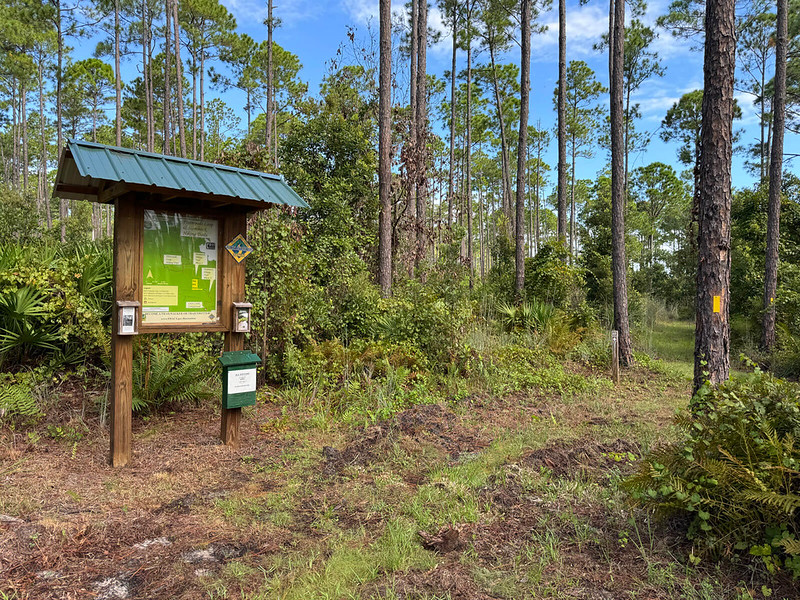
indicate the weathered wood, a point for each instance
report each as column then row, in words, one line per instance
column 127, row 275
column 615, row 356
column 233, row 290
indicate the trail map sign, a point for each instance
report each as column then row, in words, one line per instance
column 179, row 267
column 179, row 246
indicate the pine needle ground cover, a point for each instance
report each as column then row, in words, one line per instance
column 494, row 491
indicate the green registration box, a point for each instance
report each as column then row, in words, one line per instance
column 238, row 378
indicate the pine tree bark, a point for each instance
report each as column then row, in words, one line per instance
column 385, row 148
column 775, row 176
column 23, row 103
column 179, row 77
column 468, row 155
column 421, row 119
column 62, row 203
column 712, row 333
column 411, row 163
column 268, row 124
column 148, row 92
column 202, row 104
column 618, row 259
column 193, row 54
column 451, row 174
column 522, row 147
column 117, row 76
column 503, row 144
column 167, row 75
column 24, row 124
column 572, row 225
column 43, row 201
column 561, row 228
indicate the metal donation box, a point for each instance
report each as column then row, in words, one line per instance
column 238, row 378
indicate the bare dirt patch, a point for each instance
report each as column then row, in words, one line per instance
column 431, row 424
column 584, row 458
column 446, row 580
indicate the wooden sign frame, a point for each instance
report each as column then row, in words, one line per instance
column 128, row 286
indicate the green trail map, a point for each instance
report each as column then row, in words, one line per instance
column 179, row 269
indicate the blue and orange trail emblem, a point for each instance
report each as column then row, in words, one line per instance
column 239, row 248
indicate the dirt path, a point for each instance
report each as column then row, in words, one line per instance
column 493, row 498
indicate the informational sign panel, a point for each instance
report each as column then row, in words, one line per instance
column 179, row 265
column 243, row 380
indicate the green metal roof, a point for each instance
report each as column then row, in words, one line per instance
column 86, row 169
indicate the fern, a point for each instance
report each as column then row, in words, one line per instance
column 159, row 377
column 16, row 399
column 735, row 471
column 786, row 503
column 791, row 546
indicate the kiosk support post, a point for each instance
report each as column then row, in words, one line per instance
column 127, row 238
column 234, row 290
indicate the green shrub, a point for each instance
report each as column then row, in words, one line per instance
column 533, row 316
column 513, row 367
column 417, row 316
column 549, row 277
column 735, row 471
column 365, row 380
column 17, row 397
column 161, row 377
column 55, row 303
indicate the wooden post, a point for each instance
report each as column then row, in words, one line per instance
column 233, row 291
column 127, row 237
column 615, row 356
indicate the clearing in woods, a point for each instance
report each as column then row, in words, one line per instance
column 512, row 497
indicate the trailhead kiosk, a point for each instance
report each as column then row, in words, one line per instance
column 180, row 231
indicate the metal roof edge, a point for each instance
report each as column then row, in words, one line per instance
column 194, row 162
column 75, row 149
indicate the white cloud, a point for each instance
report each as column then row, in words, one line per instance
column 250, row 13
column 585, row 27
column 750, row 112
column 246, row 11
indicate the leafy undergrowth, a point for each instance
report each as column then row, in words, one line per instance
column 511, row 494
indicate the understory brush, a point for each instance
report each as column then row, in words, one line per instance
column 161, row 376
column 370, row 380
column 734, row 472
column 55, row 305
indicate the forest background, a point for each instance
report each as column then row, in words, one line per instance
column 177, row 74
column 493, row 269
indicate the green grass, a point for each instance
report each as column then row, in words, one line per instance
column 673, row 343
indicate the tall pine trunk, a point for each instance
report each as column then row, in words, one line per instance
column 43, row 205
column 194, row 104
column 712, row 333
column 522, row 147
column 62, row 203
column 385, row 149
column 202, row 103
column 618, row 258
column 775, row 176
column 468, row 155
column 421, row 119
column 24, row 127
column 561, row 228
column 411, row 162
column 451, row 174
column 179, row 79
column 572, row 226
column 167, row 75
column 503, row 144
column 270, row 91
column 117, row 77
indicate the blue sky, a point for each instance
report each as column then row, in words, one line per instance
column 315, row 30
